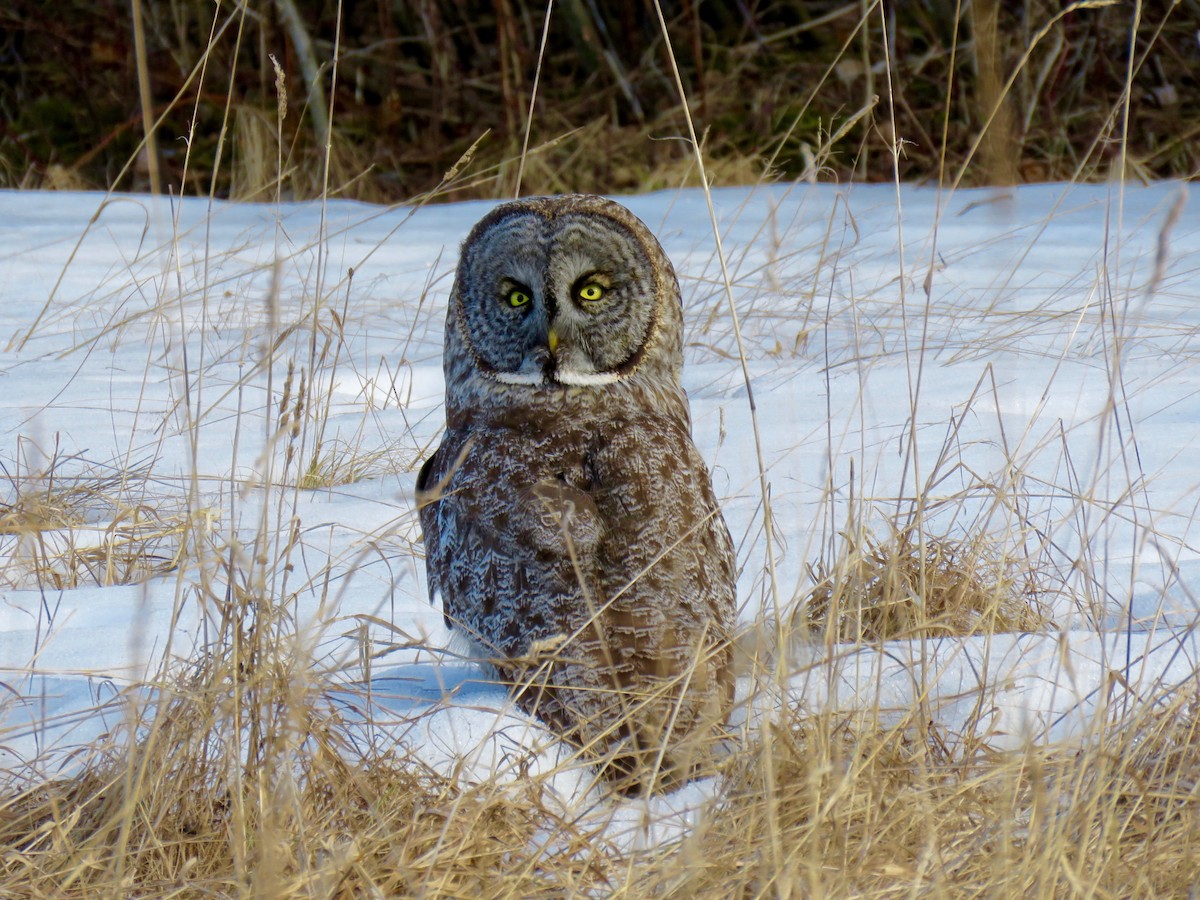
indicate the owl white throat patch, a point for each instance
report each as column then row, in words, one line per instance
column 561, row 376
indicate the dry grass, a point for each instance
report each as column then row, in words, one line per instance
column 1033, row 86
column 249, row 786
column 248, row 768
column 914, row 585
column 816, row 805
column 66, row 522
column 831, row 806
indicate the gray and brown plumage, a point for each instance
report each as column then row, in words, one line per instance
column 570, row 525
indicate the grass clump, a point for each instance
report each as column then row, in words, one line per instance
column 825, row 804
column 836, row 806
column 66, row 522
column 247, row 767
column 205, row 804
column 914, row 584
column 342, row 462
column 238, row 772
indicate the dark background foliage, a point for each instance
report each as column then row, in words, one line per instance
column 418, row 82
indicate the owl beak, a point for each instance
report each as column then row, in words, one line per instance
column 552, row 340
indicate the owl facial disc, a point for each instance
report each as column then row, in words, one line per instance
column 558, row 297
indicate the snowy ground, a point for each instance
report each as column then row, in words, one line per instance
column 1049, row 378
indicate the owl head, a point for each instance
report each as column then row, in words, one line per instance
column 557, row 294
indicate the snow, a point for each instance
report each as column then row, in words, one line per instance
column 1047, row 381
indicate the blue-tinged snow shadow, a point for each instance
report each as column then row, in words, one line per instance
column 414, row 688
column 47, row 722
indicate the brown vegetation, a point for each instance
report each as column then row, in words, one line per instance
column 984, row 92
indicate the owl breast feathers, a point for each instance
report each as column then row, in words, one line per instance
column 570, row 525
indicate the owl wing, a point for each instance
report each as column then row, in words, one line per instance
column 508, row 540
column 669, row 548
column 668, row 569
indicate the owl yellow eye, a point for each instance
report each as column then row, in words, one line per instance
column 591, row 291
column 517, row 297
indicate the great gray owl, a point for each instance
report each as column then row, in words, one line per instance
column 570, row 525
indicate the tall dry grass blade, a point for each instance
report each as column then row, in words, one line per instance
column 727, row 282
column 533, row 94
